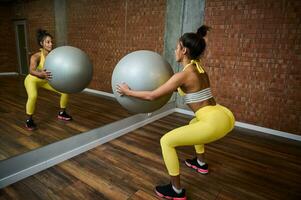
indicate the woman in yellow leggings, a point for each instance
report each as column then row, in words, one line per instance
column 38, row 77
column 212, row 121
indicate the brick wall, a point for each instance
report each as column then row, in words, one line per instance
column 38, row 14
column 109, row 29
column 8, row 58
column 253, row 57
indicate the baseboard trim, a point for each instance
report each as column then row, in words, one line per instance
column 268, row 131
column 97, row 92
column 9, row 73
column 252, row 127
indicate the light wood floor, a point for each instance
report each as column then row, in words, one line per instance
column 88, row 111
column 243, row 166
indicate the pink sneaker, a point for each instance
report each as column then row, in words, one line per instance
column 64, row 116
column 193, row 163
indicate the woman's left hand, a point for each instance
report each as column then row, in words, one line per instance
column 122, row 89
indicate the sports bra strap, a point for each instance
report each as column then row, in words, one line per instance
column 42, row 61
column 197, row 64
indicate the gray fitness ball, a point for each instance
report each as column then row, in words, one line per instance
column 71, row 69
column 141, row 70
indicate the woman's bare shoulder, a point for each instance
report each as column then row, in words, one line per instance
column 36, row 56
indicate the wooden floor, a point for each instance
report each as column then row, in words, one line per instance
column 243, row 166
column 88, row 111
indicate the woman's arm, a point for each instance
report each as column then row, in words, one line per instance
column 35, row 58
column 170, row 86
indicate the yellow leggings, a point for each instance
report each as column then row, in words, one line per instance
column 32, row 84
column 210, row 124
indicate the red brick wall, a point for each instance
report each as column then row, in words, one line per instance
column 253, row 57
column 109, row 29
column 8, row 58
column 38, row 14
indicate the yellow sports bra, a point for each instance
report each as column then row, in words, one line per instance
column 198, row 96
column 42, row 61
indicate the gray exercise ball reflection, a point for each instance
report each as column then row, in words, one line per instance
column 71, row 69
column 141, row 70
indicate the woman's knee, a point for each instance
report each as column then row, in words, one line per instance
column 164, row 141
column 194, row 120
column 64, row 96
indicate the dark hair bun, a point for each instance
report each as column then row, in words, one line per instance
column 41, row 34
column 202, row 31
